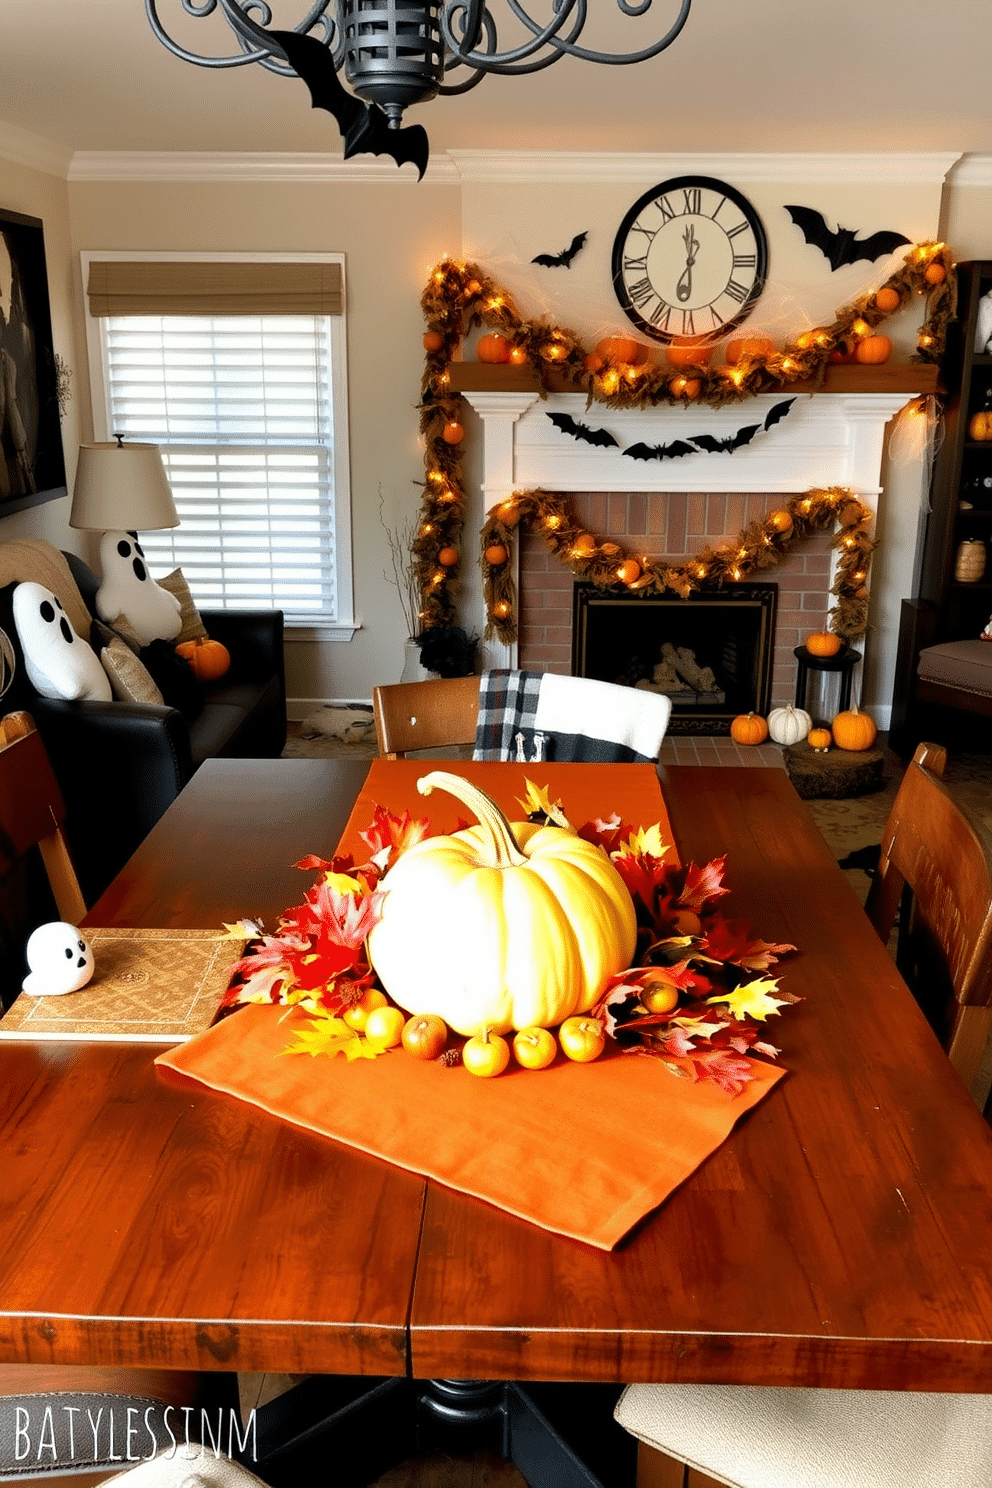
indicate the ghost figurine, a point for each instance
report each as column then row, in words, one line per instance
column 127, row 589
column 60, row 959
column 58, row 663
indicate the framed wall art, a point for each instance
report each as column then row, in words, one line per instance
column 32, row 466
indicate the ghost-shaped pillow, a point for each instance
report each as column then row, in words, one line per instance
column 60, row 958
column 58, row 663
column 127, row 589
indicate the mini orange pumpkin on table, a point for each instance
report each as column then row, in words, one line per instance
column 819, row 739
column 209, row 659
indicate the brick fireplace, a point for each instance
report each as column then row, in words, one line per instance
column 671, row 525
column 672, row 508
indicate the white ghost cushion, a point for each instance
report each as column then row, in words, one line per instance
column 127, row 589
column 58, row 663
column 60, row 958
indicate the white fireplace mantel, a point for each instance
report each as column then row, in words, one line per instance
column 825, row 439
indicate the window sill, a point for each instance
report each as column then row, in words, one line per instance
column 322, row 630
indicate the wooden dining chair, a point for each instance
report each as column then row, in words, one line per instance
column 935, row 871
column 32, row 812
column 425, row 715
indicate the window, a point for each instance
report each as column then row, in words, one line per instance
column 249, row 411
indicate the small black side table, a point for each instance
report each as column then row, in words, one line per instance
column 842, row 661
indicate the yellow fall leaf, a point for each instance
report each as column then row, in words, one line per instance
column 753, row 1000
column 343, row 883
column 644, row 841
column 330, row 1036
column 536, row 802
column 240, row 930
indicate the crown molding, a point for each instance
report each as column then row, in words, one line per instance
column 33, row 150
column 593, row 167
column 973, row 170
column 277, row 166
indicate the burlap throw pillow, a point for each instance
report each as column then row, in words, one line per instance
column 130, row 678
column 193, row 628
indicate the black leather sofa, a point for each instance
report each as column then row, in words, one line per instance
column 120, row 764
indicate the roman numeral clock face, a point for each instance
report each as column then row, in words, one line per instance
column 689, row 259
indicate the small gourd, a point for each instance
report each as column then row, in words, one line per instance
column 500, row 926
column 872, row 350
column 854, row 730
column 749, row 728
column 819, row 739
column 622, row 350
column 687, row 354
column 746, row 347
column 980, row 426
column 788, row 725
column 493, row 348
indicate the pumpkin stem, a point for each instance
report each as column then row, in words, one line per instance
column 502, row 843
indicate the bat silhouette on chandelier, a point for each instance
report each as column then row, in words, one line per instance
column 397, row 53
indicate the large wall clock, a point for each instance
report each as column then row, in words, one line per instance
column 689, row 259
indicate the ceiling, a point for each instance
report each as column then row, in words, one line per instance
column 745, row 75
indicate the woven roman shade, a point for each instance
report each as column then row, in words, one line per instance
column 119, row 287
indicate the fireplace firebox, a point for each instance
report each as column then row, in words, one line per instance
column 711, row 653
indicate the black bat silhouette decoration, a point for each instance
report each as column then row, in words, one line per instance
column 843, row 246
column 660, row 451
column 714, row 446
column 709, row 443
column 562, row 260
column 568, row 425
column 364, row 127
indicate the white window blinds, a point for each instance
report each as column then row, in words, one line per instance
column 242, row 407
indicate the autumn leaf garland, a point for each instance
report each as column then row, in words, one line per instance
column 711, row 971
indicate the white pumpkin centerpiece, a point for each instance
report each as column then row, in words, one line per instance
column 789, row 725
column 500, row 926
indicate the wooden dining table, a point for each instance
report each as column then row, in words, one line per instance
column 841, row 1235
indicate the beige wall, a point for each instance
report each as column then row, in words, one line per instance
column 391, row 235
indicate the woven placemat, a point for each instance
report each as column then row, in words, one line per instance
column 151, row 986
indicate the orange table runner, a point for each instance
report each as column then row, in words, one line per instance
column 582, row 1150
column 585, row 791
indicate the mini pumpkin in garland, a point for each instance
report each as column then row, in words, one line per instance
column 500, row 926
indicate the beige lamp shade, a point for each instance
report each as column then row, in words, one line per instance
column 122, row 488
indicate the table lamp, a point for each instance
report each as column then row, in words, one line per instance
column 121, row 488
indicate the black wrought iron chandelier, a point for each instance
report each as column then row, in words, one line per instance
column 399, row 52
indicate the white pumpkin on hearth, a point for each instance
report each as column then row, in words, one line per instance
column 789, row 725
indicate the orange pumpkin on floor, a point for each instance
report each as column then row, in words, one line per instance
column 854, row 730
column 749, row 728
column 209, row 659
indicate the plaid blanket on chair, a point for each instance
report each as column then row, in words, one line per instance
column 525, row 716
